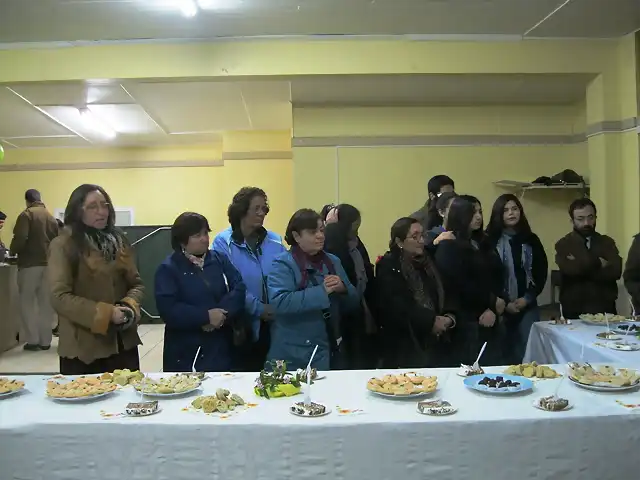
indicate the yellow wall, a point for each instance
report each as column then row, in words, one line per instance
column 389, row 182
column 157, row 195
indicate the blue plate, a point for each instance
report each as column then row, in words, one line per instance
column 474, row 383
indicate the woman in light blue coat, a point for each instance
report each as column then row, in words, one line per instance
column 309, row 291
column 251, row 249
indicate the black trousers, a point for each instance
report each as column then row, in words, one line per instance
column 252, row 356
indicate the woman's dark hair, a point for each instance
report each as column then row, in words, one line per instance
column 187, row 224
column 400, row 229
column 496, row 221
column 304, row 219
column 325, row 210
column 444, row 200
column 241, row 203
column 347, row 215
column 459, row 218
column 473, row 201
column 74, row 212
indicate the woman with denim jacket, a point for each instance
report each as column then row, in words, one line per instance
column 251, row 248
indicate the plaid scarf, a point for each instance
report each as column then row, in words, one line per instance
column 411, row 268
column 316, row 261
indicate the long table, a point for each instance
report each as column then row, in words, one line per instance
column 549, row 343
column 490, row 437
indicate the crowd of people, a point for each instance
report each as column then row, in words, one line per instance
column 446, row 285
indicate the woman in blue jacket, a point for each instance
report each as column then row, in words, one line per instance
column 251, row 248
column 309, row 290
column 199, row 295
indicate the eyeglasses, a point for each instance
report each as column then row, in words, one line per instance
column 95, row 206
column 417, row 237
column 261, row 209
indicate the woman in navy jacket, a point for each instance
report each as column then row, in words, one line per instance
column 199, row 295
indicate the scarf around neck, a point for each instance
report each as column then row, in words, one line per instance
column 108, row 242
column 526, row 262
column 410, row 268
column 317, row 262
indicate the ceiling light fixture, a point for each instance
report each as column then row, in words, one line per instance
column 93, row 123
column 189, row 8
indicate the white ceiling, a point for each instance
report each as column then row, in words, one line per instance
column 118, row 20
column 194, row 111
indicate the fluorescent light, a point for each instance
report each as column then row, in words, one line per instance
column 189, row 8
column 93, row 123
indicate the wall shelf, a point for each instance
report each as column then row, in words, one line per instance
column 527, row 186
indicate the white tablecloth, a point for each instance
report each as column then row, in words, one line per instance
column 490, row 437
column 550, row 343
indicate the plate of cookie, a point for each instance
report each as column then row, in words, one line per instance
column 403, row 385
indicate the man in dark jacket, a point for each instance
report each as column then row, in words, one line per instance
column 589, row 263
column 631, row 273
column 428, row 215
column 34, row 229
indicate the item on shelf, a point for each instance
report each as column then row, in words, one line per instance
column 122, row 377
column 312, row 409
column 436, row 408
column 222, row 401
column 142, row 409
column 552, row 403
column 608, row 336
column 278, row 382
column 532, row 370
column 604, row 377
column 9, row 387
column 80, row 388
column 498, row 384
column 469, row 370
column 405, row 385
column 178, row 384
column 601, row 318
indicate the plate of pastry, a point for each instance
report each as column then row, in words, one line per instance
column 310, row 410
column 532, row 370
column 166, row 387
column 603, row 378
column 623, row 346
column 601, row 318
column 142, row 409
column 469, row 370
column 79, row 389
column 403, row 385
column 498, row 384
column 610, row 335
column 436, row 408
column 552, row 403
column 222, row 402
column 315, row 375
column 10, row 387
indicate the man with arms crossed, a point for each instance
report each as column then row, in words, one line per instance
column 589, row 263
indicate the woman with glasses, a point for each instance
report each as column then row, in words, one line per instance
column 200, row 296
column 95, row 288
column 525, row 268
column 358, row 328
column 251, row 248
column 310, row 292
column 417, row 317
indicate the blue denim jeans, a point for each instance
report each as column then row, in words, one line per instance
column 517, row 333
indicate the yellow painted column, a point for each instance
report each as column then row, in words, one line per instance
column 613, row 145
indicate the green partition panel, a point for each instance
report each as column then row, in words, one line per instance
column 152, row 244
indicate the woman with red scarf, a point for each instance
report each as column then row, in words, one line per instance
column 309, row 291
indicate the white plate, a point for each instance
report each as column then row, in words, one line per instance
column 603, row 388
column 169, row 395
column 445, row 411
column 159, row 409
column 409, row 395
column 11, row 393
column 536, row 403
column 554, row 322
column 622, row 347
column 611, row 337
column 327, row 411
column 600, row 324
column 81, row 399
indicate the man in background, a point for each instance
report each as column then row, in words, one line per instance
column 34, row 229
column 428, row 215
column 590, row 265
column 3, row 249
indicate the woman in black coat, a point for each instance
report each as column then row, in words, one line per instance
column 468, row 273
column 359, row 327
column 418, row 320
column 524, row 267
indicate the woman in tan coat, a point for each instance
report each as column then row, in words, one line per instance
column 95, row 288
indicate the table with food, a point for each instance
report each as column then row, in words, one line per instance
column 569, row 421
column 594, row 338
